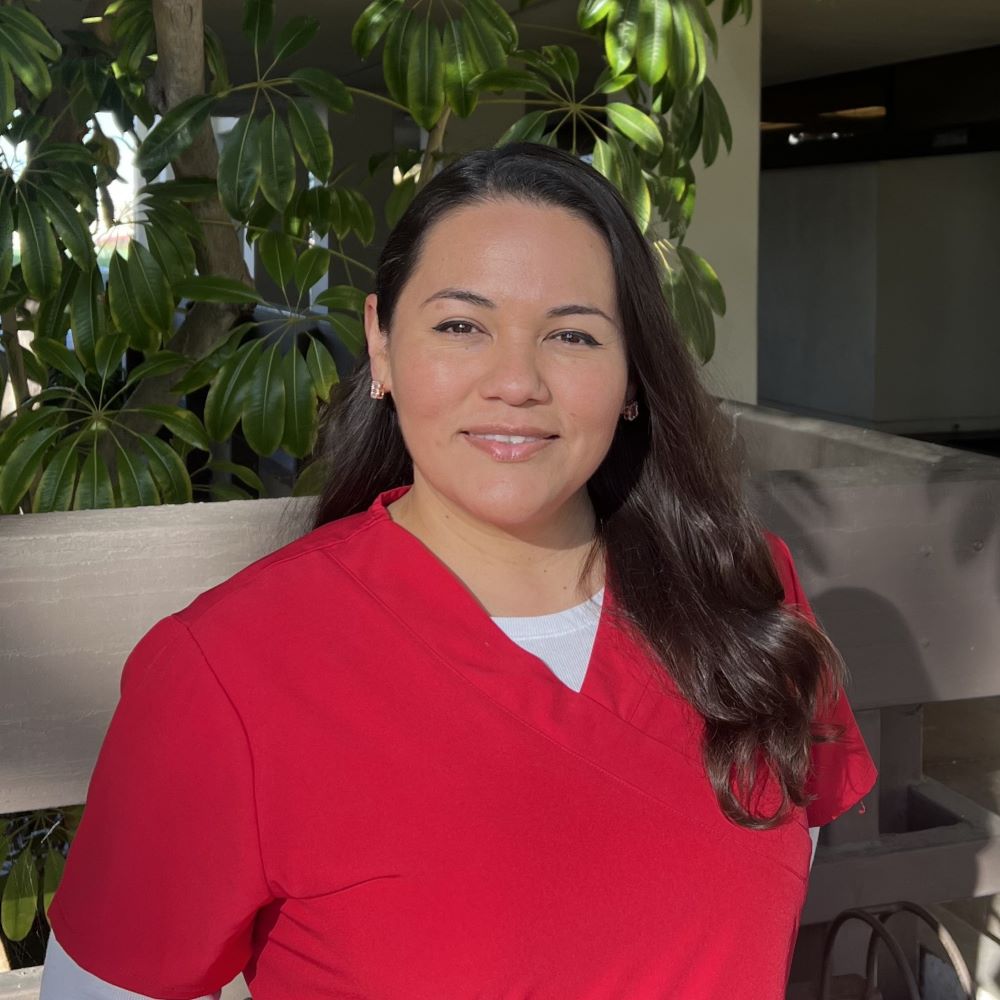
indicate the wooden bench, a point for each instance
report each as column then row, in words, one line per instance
column 899, row 553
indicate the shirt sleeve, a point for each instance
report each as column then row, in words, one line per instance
column 842, row 772
column 63, row 978
column 164, row 876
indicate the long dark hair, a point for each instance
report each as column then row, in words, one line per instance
column 689, row 564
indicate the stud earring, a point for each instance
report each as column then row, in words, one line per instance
column 377, row 390
column 631, row 410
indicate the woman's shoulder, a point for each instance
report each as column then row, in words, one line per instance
column 290, row 579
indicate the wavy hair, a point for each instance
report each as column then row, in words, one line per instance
column 688, row 561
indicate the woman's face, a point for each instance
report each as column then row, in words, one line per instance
column 506, row 361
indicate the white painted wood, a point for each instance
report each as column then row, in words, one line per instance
column 24, row 984
column 77, row 591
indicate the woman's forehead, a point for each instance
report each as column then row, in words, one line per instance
column 515, row 250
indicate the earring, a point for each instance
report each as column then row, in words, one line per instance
column 631, row 410
column 377, row 390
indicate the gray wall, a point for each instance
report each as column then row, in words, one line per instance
column 939, row 293
column 879, row 294
column 818, row 255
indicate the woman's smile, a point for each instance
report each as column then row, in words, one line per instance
column 509, row 444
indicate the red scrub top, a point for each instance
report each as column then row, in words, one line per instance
column 335, row 773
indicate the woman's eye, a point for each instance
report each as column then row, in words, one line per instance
column 451, row 324
column 575, row 337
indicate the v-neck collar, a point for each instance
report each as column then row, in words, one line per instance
column 466, row 637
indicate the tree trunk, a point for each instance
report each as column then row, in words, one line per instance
column 180, row 74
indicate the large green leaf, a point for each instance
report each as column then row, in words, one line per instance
column 168, row 471
column 710, row 288
column 460, row 67
column 86, row 311
column 277, row 253
column 507, row 78
column 350, row 331
column 52, row 319
column 321, row 368
column 159, row 363
column 239, row 167
column 372, row 24
column 94, row 490
column 174, row 133
column 295, row 34
column 215, row 288
column 21, row 467
column 28, row 422
column 181, row 422
column 258, row 19
column 58, row 356
column 591, row 12
column 687, row 303
column 311, row 138
column 109, row 352
column 716, row 123
column 359, row 211
column 32, row 31
column 172, row 250
column 312, row 479
column 55, row 488
column 621, row 34
column 136, row 486
column 495, row 18
column 228, row 391
column 264, row 410
column 312, row 264
column 300, row 404
column 561, row 62
column 206, row 367
column 325, row 87
column 487, row 48
column 651, row 48
column 71, row 226
column 55, row 863
column 683, row 40
column 241, row 472
column 7, row 100
column 277, row 162
column 636, row 126
column 342, row 297
column 399, row 198
column 18, row 907
column 608, row 83
column 149, row 286
column 25, row 61
column 395, row 53
column 530, row 128
column 124, row 309
column 41, row 262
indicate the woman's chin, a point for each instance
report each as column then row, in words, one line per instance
column 511, row 504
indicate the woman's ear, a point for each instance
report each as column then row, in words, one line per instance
column 377, row 341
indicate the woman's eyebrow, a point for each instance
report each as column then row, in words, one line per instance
column 464, row 295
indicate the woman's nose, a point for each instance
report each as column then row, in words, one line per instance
column 514, row 373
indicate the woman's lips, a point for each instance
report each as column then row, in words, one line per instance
column 508, row 447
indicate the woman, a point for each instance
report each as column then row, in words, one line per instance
column 537, row 709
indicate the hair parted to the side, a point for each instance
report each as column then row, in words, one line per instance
column 687, row 559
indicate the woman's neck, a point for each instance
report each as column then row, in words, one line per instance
column 531, row 571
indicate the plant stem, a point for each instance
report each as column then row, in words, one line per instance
column 15, row 357
column 378, row 97
column 435, row 143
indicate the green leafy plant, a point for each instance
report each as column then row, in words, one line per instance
column 141, row 360
column 122, row 340
column 33, row 849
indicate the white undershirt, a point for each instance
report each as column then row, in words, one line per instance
column 563, row 641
